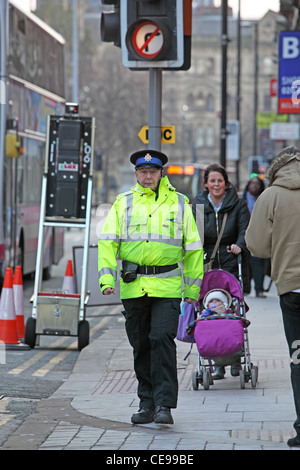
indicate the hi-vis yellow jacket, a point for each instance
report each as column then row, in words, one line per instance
column 152, row 230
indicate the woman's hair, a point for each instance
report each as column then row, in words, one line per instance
column 261, row 185
column 219, row 169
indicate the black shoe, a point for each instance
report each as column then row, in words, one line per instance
column 163, row 415
column 143, row 416
column 294, row 441
column 219, row 373
column 235, row 369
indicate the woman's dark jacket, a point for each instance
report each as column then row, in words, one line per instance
column 234, row 232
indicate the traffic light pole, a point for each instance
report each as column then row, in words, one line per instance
column 155, row 99
column 224, row 84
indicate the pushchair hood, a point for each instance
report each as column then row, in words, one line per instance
column 219, row 279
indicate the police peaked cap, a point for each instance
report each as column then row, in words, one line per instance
column 148, row 159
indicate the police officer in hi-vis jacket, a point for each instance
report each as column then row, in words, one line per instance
column 151, row 228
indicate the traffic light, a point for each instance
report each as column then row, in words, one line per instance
column 257, row 166
column 152, row 34
column 110, row 23
column 187, row 31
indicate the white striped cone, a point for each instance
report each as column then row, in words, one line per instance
column 19, row 301
column 8, row 323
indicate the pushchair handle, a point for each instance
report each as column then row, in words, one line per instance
column 239, row 260
column 239, row 256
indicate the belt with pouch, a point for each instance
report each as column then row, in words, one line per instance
column 156, row 269
column 131, row 270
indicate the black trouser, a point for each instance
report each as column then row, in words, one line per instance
column 257, row 272
column 290, row 307
column 151, row 326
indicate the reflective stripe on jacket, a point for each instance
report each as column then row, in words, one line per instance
column 152, row 230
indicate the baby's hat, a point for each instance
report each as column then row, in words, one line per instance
column 219, row 294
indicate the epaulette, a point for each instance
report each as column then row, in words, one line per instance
column 127, row 193
column 183, row 195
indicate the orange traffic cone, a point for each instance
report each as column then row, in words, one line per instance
column 69, row 281
column 19, row 301
column 8, row 323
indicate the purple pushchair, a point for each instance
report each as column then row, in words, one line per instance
column 222, row 338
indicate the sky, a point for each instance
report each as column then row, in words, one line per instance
column 253, row 9
column 25, row 4
column 250, row 9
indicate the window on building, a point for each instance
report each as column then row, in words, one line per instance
column 199, row 140
column 267, row 102
column 210, row 136
column 210, row 65
column 210, row 103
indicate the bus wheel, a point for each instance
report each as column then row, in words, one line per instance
column 46, row 273
column 30, row 335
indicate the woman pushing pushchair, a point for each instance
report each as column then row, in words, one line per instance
column 220, row 198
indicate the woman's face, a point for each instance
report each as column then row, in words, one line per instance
column 254, row 187
column 216, row 185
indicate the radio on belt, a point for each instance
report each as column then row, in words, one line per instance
column 69, row 164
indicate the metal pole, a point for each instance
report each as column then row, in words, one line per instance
column 75, row 53
column 155, row 99
column 4, row 43
column 255, row 88
column 238, row 100
column 224, row 83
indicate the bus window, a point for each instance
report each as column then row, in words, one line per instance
column 183, row 184
column 33, row 172
column 185, row 179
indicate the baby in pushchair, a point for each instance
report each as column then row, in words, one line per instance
column 218, row 341
column 216, row 301
column 221, row 329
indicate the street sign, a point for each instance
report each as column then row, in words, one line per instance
column 233, row 140
column 148, row 39
column 264, row 120
column 273, row 87
column 153, row 33
column 285, row 131
column 167, row 134
column 289, row 72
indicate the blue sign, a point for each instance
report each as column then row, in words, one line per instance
column 289, row 72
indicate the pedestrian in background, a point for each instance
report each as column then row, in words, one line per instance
column 254, row 188
column 274, row 232
column 151, row 228
column 218, row 198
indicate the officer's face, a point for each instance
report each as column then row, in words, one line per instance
column 148, row 177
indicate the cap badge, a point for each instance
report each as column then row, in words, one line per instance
column 147, row 157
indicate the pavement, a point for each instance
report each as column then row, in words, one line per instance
column 92, row 409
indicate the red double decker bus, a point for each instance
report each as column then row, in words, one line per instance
column 32, row 87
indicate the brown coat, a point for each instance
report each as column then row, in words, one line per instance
column 274, row 228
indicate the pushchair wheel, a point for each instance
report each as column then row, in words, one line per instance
column 207, row 379
column 196, row 379
column 254, row 376
column 242, row 379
